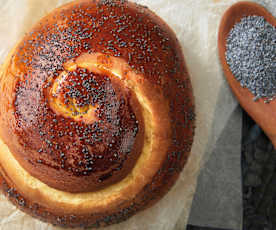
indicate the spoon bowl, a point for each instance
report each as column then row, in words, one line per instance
column 263, row 113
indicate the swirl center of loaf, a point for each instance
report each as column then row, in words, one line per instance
column 87, row 131
column 76, row 94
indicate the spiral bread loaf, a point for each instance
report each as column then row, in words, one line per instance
column 96, row 114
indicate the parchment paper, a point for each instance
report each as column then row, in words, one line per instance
column 195, row 23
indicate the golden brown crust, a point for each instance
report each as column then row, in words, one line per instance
column 141, row 56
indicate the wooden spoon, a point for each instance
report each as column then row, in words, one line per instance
column 263, row 113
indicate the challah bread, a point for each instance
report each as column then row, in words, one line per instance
column 96, row 114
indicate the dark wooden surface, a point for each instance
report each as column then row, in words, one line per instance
column 190, row 227
column 259, row 178
column 258, row 161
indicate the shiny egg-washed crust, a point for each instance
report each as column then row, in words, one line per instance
column 155, row 80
